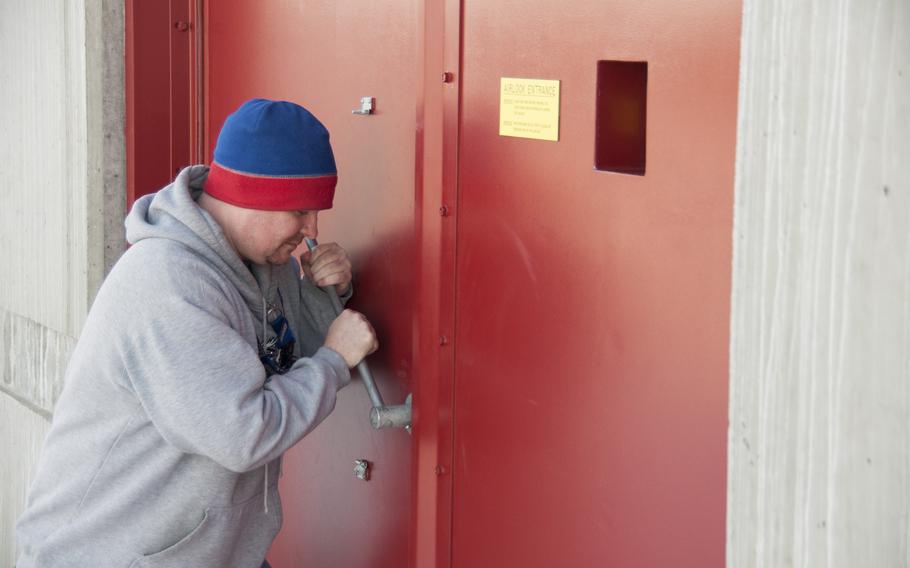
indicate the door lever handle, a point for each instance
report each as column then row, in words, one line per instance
column 381, row 416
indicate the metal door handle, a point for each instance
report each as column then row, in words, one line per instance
column 381, row 416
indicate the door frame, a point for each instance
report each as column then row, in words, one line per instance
column 436, row 190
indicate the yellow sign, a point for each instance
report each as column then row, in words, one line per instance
column 529, row 108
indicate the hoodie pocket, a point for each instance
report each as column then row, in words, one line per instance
column 176, row 554
column 228, row 536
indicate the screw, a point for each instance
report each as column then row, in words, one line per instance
column 362, row 469
column 444, row 211
column 443, row 340
column 448, row 77
column 440, row 470
column 181, row 26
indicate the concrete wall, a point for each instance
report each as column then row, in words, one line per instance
column 819, row 450
column 61, row 208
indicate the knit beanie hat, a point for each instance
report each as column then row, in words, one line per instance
column 273, row 155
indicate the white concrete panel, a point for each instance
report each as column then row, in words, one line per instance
column 43, row 176
column 62, row 188
column 22, row 433
column 61, row 209
column 819, row 471
column 33, row 359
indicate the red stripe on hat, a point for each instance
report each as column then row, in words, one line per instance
column 272, row 193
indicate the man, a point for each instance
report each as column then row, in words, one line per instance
column 202, row 361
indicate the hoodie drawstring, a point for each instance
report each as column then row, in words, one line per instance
column 265, row 477
column 265, row 489
column 264, row 324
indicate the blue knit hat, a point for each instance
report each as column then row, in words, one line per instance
column 273, row 155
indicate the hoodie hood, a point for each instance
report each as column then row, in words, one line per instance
column 172, row 213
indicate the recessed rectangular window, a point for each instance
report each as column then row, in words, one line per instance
column 622, row 97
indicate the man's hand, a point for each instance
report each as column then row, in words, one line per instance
column 328, row 264
column 352, row 337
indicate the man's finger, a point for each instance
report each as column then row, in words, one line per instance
column 336, row 277
column 307, row 270
column 330, row 267
column 321, row 255
column 325, row 248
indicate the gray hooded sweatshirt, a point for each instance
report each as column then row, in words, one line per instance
column 165, row 444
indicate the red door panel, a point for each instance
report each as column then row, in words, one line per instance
column 592, row 308
column 160, row 63
column 326, row 55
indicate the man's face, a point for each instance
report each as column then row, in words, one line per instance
column 270, row 237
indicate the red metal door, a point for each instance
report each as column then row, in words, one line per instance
column 326, row 55
column 161, row 87
column 592, row 308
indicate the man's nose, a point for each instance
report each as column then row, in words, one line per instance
column 310, row 226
